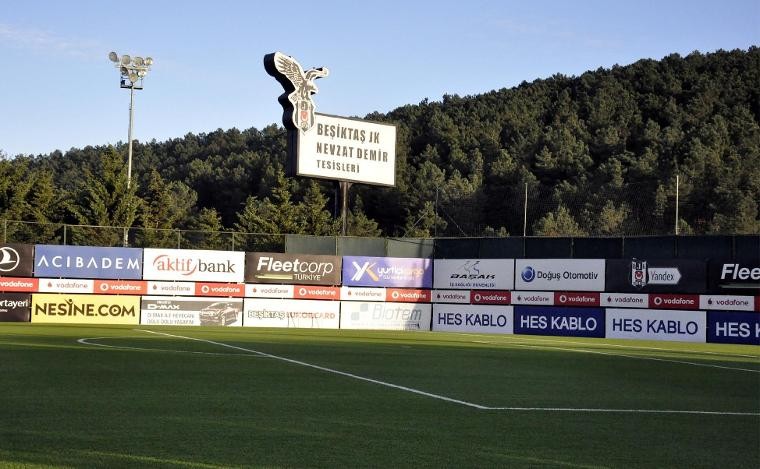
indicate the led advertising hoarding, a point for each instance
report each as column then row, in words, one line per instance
column 550, row 320
column 15, row 307
column 398, row 272
column 733, row 328
column 301, row 269
column 189, row 311
column 85, row 309
column 727, row 302
column 656, row 324
column 18, row 284
column 193, row 265
column 474, row 274
column 386, row 316
column 656, row 276
column 87, row 262
column 311, row 314
column 734, row 277
column 472, row 318
column 560, row 274
column 16, row 260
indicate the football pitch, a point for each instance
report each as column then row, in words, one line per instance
column 137, row 396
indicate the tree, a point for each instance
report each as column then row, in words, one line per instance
column 558, row 223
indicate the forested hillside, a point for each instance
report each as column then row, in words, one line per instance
column 597, row 154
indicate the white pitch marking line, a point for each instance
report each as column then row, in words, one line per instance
column 448, row 399
column 86, row 341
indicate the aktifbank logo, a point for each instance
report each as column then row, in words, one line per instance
column 528, row 274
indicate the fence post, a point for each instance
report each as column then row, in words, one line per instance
column 676, row 204
column 232, row 236
column 179, row 238
column 64, row 234
column 5, row 230
column 525, row 211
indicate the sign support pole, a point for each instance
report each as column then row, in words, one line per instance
column 344, row 185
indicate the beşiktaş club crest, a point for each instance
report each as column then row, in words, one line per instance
column 638, row 273
column 296, row 102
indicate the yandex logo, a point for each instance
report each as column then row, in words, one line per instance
column 407, row 295
column 219, row 289
column 576, row 299
column 663, row 301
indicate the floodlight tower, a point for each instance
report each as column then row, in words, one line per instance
column 132, row 70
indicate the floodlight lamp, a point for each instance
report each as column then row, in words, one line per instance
column 133, row 77
column 113, row 57
column 125, row 59
column 141, row 73
column 148, row 61
column 138, row 61
column 124, row 71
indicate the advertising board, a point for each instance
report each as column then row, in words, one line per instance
column 557, row 321
column 733, row 328
column 15, row 307
column 171, row 288
column 191, row 311
column 311, row 292
column 257, row 290
column 193, row 265
column 302, row 269
column 576, row 299
column 624, row 300
column 560, row 274
column 310, row 314
column 407, row 295
column 65, row 285
column 727, row 302
column 16, row 260
column 472, row 318
column 474, row 274
column 18, row 284
column 362, row 294
column 386, row 316
column 85, row 309
column 121, row 287
column 451, row 296
column 656, row 324
column 219, row 289
column 490, row 297
column 656, row 276
column 545, row 298
column 87, row 262
column 398, row 272
column 734, row 277
column 673, row 301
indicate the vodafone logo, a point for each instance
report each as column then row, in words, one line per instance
column 657, row 301
column 104, row 287
column 394, row 295
column 205, row 289
column 563, row 299
column 302, row 291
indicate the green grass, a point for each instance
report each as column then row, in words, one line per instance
column 65, row 404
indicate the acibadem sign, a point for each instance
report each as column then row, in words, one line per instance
column 86, row 309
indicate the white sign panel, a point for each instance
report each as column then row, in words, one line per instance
column 473, row 318
column 451, row 296
column 185, row 311
column 63, row 285
column 172, row 288
column 262, row 290
column 348, row 149
column 727, row 302
column 474, row 274
column 624, row 300
column 656, row 324
column 387, row 316
column 311, row 314
column 540, row 298
column 362, row 294
column 560, row 274
column 192, row 265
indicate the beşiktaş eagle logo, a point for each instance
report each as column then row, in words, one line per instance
column 9, row 259
column 638, row 273
column 299, row 86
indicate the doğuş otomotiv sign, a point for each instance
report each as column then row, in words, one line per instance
column 387, row 272
column 87, row 262
column 559, row 274
column 188, row 264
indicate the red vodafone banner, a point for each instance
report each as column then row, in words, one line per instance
column 757, row 303
column 407, row 295
column 12, row 284
column 219, row 289
column 668, row 301
column 490, row 297
column 576, row 299
column 312, row 292
column 121, row 287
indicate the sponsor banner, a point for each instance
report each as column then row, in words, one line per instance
column 386, row 316
column 219, row 289
column 65, row 285
column 396, row 272
column 474, row 274
column 171, row 288
column 570, row 322
column 189, row 311
column 472, row 318
column 407, row 295
column 733, row 328
column 560, row 274
column 193, row 265
column 347, row 150
column 734, row 277
column 310, row 292
column 451, row 296
column 87, row 262
column 656, row 324
column 303, row 269
column 727, row 303
column 576, row 299
column 625, row 300
column 656, row 275
column 15, row 307
column 291, row 313
column 269, row 291
column 490, row 297
column 14, row 284
column 544, row 298
column 121, row 287
column 362, row 294
column 666, row 301
column 16, row 260
column 85, row 309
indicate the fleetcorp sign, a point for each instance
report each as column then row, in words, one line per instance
column 330, row 147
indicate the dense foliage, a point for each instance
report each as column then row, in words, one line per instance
column 596, row 154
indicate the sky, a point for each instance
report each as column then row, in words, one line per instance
column 58, row 90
